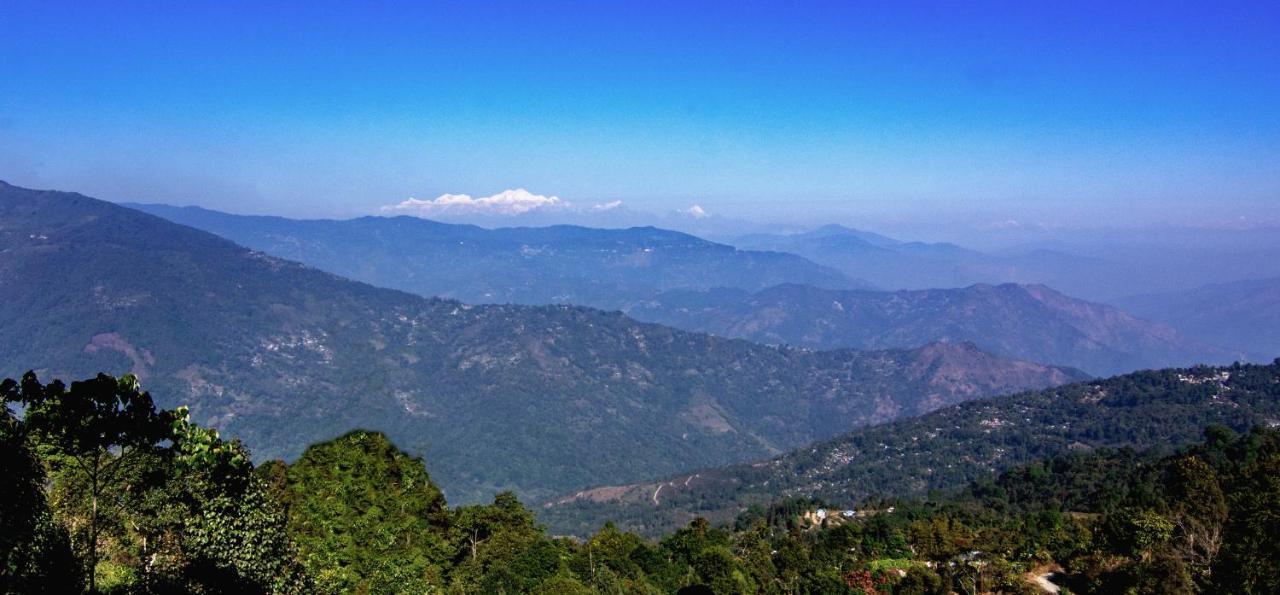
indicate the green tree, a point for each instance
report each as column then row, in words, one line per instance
column 171, row 505
column 938, row 538
column 35, row 551
column 563, row 585
column 488, row 539
column 98, row 426
column 919, row 581
column 752, row 548
column 717, row 568
column 1136, row 533
column 366, row 516
column 1199, row 511
column 793, row 561
column 623, row 557
column 234, row 533
column 1250, row 560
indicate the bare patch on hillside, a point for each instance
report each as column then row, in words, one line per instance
column 707, row 416
column 141, row 358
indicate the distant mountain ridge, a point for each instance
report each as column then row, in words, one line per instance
column 539, row 400
column 679, row 280
column 948, row 448
column 894, row 264
column 561, row 264
column 1029, row 322
column 1243, row 313
column 850, row 236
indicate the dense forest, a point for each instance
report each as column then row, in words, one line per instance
column 947, row 449
column 105, row 492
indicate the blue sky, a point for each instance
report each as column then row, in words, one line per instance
column 963, row 113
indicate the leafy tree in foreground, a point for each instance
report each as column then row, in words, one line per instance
column 35, row 552
column 97, row 427
column 153, row 502
column 1251, row 555
column 366, row 516
column 490, row 540
column 234, row 531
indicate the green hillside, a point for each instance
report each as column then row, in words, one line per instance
column 948, row 448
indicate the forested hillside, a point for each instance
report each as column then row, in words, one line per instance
column 948, row 448
column 539, row 400
column 1030, row 322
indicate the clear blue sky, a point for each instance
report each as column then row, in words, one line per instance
column 1075, row 112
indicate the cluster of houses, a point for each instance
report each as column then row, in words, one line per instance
column 818, row 516
column 822, row 514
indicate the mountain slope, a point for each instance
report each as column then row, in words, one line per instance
column 628, row 268
column 1243, row 313
column 1030, row 322
column 948, row 448
column 603, row 268
column 535, row 399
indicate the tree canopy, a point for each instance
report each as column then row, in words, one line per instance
column 178, row 509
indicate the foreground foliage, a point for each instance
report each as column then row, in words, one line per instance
column 180, row 510
column 115, row 495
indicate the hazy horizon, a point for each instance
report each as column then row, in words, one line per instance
column 1256, row 237
column 945, row 122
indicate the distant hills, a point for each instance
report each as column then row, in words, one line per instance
column 683, row 281
column 895, row 264
column 1242, row 313
column 947, row 449
column 1030, row 322
column 562, row 264
column 541, row 400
